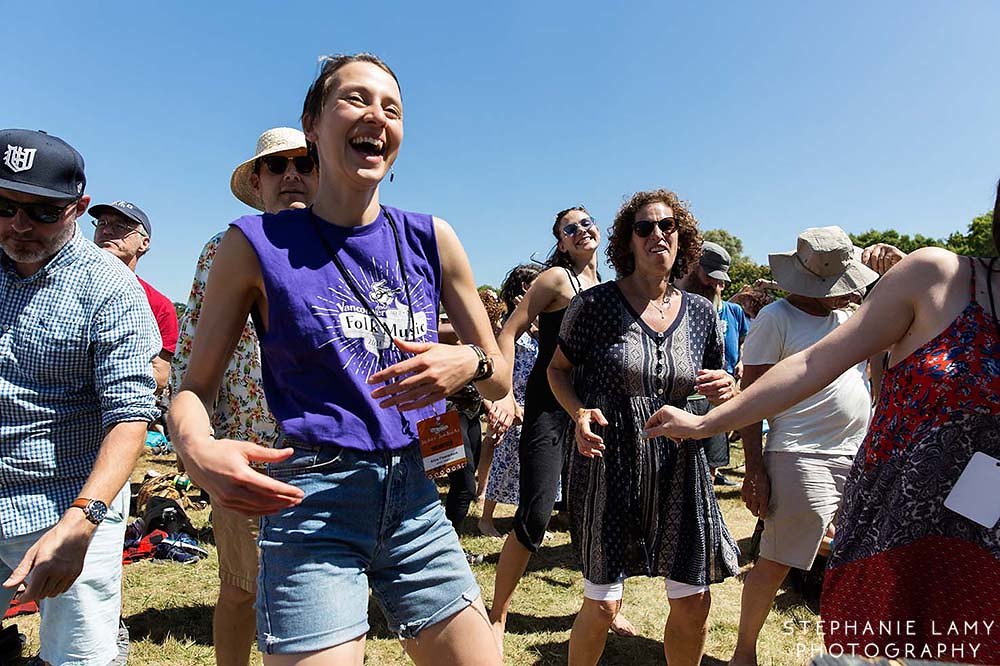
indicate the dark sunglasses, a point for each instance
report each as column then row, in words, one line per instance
column 573, row 227
column 37, row 212
column 643, row 228
column 278, row 164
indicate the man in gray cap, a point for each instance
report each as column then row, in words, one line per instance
column 708, row 278
column 795, row 482
column 123, row 229
column 281, row 174
column 76, row 341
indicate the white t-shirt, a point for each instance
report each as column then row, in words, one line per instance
column 834, row 420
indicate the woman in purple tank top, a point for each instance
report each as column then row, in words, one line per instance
column 345, row 297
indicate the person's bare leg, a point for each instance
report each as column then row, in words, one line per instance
column 483, row 471
column 463, row 638
column 759, row 589
column 486, row 526
column 686, row 628
column 351, row 653
column 513, row 561
column 234, row 625
column 590, row 631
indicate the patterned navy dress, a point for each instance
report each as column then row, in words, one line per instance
column 645, row 507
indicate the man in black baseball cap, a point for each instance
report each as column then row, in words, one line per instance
column 77, row 393
column 123, row 229
column 42, row 177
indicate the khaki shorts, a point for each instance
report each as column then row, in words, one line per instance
column 805, row 495
column 236, row 542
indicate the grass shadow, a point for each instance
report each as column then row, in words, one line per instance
column 192, row 623
column 619, row 650
column 518, row 623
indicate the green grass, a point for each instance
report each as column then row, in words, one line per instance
column 168, row 607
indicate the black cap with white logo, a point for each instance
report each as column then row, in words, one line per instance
column 37, row 163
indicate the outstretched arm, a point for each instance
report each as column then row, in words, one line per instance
column 882, row 321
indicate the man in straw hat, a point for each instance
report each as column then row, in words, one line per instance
column 795, row 482
column 76, row 394
column 280, row 175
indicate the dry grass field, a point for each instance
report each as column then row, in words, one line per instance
column 168, row 606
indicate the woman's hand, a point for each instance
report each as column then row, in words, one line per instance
column 222, row 468
column 587, row 443
column 880, row 257
column 716, row 385
column 432, row 374
column 674, row 423
column 500, row 415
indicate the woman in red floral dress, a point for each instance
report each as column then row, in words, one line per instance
column 908, row 577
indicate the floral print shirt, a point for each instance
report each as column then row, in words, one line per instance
column 240, row 409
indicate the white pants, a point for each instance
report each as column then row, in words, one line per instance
column 615, row 591
column 80, row 626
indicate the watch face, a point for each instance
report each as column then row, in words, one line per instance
column 96, row 511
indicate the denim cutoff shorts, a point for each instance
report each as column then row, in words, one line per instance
column 368, row 520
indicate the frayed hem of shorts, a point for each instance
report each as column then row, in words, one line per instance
column 412, row 629
column 270, row 644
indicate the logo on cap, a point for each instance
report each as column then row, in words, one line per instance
column 18, row 158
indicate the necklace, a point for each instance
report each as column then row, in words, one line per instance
column 665, row 303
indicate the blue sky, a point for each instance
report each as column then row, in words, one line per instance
column 768, row 117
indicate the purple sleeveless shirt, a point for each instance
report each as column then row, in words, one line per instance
column 321, row 343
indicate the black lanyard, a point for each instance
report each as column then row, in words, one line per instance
column 353, row 286
column 356, row 290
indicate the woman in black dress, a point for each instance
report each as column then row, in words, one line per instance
column 541, row 451
column 638, row 506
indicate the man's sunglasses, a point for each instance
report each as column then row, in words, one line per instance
column 573, row 227
column 37, row 212
column 643, row 228
column 278, row 164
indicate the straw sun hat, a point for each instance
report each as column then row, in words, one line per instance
column 825, row 263
column 272, row 141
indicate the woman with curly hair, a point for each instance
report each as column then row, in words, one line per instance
column 637, row 506
column 902, row 550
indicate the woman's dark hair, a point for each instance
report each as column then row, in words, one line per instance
column 996, row 221
column 513, row 284
column 558, row 257
column 312, row 107
column 619, row 250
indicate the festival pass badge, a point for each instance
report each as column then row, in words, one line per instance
column 441, row 444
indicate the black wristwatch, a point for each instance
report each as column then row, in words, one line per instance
column 485, row 368
column 94, row 510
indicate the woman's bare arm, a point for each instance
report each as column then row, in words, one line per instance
column 224, row 469
column 882, row 321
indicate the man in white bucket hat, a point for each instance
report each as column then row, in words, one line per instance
column 796, row 481
column 280, row 175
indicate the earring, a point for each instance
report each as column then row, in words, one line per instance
column 392, row 176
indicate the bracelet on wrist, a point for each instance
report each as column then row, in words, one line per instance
column 484, row 370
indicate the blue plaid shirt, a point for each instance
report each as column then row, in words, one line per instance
column 77, row 340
